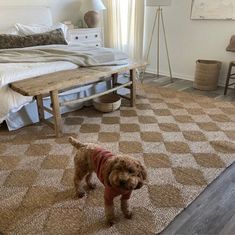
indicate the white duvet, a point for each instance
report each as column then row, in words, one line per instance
column 10, row 72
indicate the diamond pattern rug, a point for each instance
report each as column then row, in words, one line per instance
column 185, row 141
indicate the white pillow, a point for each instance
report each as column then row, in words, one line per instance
column 11, row 31
column 34, row 29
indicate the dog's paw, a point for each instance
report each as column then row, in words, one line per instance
column 110, row 222
column 80, row 194
column 92, row 186
column 129, row 215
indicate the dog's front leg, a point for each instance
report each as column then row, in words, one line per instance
column 126, row 208
column 109, row 213
column 109, row 206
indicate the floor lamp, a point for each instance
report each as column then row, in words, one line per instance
column 159, row 19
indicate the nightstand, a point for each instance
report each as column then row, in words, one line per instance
column 88, row 36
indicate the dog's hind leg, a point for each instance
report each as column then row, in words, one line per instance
column 88, row 181
column 78, row 177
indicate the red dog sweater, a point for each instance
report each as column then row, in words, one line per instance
column 99, row 159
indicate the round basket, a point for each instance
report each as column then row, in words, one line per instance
column 207, row 74
column 107, row 103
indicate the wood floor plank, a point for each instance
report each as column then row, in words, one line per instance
column 187, row 86
column 229, row 227
column 212, row 218
column 212, row 212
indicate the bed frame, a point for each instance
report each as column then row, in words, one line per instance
column 58, row 82
column 54, row 84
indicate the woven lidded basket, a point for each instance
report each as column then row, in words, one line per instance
column 207, row 74
column 107, row 103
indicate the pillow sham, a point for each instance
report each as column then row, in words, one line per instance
column 35, row 29
column 11, row 30
column 16, row 41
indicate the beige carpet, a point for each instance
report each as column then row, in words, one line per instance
column 185, row 141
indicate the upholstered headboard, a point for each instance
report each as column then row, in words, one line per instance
column 25, row 15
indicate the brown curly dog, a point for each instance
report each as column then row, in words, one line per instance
column 119, row 174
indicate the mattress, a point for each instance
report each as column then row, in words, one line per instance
column 11, row 101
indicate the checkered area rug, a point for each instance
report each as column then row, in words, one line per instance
column 185, row 141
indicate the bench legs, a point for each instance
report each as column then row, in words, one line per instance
column 40, row 108
column 228, row 78
column 133, row 87
column 55, row 111
column 114, row 81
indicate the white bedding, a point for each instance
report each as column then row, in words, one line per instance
column 11, row 101
column 10, row 72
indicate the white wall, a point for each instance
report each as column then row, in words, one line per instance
column 190, row 40
column 61, row 9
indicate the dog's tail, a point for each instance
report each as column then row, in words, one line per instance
column 76, row 143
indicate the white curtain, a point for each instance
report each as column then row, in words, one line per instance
column 124, row 26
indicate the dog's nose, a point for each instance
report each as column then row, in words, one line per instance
column 122, row 182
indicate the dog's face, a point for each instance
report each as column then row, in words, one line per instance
column 125, row 173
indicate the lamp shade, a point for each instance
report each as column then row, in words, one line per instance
column 92, row 5
column 154, row 3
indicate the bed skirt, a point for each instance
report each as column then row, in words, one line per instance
column 28, row 114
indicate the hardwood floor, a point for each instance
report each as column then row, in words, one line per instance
column 213, row 212
column 187, row 86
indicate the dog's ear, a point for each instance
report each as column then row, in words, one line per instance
column 108, row 169
column 143, row 172
column 76, row 143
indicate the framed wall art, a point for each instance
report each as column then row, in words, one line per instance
column 213, row 10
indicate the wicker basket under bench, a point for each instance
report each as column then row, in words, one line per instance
column 58, row 82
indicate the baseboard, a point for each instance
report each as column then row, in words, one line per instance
column 180, row 76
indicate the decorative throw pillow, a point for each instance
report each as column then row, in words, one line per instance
column 231, row 46
column 40, row 39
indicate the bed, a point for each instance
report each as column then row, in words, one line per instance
column 16, row 110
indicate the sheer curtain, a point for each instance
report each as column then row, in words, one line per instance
column 124, row 26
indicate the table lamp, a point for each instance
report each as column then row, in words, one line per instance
column 91, row 9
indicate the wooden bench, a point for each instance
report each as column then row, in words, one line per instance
column 55, row 83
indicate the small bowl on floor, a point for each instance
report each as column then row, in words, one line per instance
column 107, row 103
